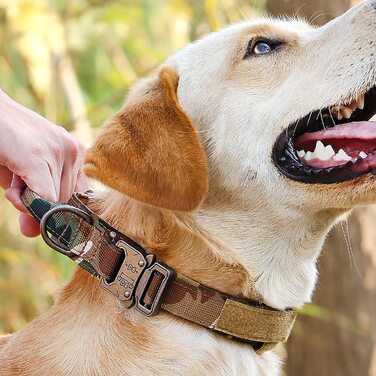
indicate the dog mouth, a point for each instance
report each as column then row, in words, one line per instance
column 330, row 145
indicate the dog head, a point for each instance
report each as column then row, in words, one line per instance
column 274, row 108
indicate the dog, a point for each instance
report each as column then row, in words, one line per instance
column 231, row 164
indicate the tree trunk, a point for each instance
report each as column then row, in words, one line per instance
column 341, row 339
column 342, row 342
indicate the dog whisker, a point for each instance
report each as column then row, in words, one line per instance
column 316, row 16
column 241, row 11
column 309, row 118
column 322, row 120
column 331, row 116
column 296, row 13
column 349, row 248
column 296, row 125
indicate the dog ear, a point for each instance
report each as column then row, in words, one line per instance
column 150, row 150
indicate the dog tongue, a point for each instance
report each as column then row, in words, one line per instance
column 363, row 130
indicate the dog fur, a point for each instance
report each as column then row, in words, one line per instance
column 188, row 163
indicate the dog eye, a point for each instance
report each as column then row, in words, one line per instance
column 261, row 48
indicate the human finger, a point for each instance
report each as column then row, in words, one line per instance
column 28, row 225
column 14, row 192
column 41, row 182
column 5, row 177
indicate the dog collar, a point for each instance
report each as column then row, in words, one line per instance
column 126, row 270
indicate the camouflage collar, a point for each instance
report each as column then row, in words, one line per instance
column 126, row 270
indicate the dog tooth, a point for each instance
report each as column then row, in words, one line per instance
column 308, row 156
column 341, row 156
column 334, row 111
column 346, row 112
column 362, row 154
column 360, row 102
column 329, row 151
column 337, row 113
column 320, row 152
column 301, row 153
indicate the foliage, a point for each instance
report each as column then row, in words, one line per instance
column 73, row 61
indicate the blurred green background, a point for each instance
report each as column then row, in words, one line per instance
column 73, row 62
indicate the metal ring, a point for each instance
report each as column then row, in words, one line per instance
column 44, row 231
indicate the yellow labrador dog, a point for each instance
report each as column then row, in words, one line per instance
column 231, row 164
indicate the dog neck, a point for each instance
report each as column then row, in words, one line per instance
column 176, row 240
column 255, row 253
column 278, row 248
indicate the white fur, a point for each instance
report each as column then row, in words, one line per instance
column 239, row 119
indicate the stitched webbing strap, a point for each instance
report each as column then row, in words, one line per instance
column 93, row 246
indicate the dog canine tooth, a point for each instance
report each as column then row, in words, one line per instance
column 319, row 150
column 322, row 152
column 341, row 156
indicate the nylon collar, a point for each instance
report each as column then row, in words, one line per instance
column 127, row 271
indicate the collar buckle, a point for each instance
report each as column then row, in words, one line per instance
column 151, row 288
column 140, row 280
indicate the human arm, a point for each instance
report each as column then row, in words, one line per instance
column 39, row 154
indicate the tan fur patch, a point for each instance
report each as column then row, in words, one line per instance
column 150, row 150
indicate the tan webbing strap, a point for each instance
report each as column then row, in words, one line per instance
column 251, row 322
column 256, row 324
column 190, row 300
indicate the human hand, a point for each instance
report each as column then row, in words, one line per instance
column 39, row 154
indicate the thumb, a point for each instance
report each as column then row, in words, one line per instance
column 5, row 177
column 14, row 192
column 29, row 226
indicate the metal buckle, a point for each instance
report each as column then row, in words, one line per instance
column 142, row 288
column 44, row 230
column 130, row 271
column 133, row 279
